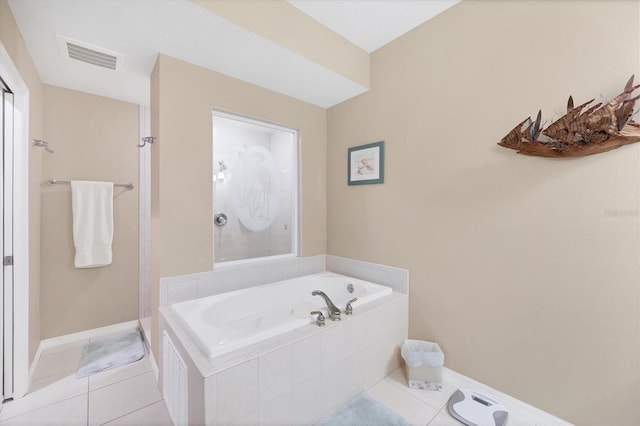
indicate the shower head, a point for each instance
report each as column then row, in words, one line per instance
column 223, row 167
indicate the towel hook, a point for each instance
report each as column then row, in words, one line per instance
column 146, row 140
column 43, row 144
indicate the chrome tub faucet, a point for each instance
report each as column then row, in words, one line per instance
column 334, row 312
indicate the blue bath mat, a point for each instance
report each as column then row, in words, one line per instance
column 364, row 411
column 110, row 352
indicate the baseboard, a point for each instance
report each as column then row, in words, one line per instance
column 529, row 411
column 81, row 335
column 36, row 358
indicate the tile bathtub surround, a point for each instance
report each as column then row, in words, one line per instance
column 396, row 278
column 237, row 277
column 285, row 379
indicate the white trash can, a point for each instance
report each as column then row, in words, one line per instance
column 423, row 364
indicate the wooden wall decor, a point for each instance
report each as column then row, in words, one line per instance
column 585, row 129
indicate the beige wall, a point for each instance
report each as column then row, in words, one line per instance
column 182, row 99
column 94, row 138
column 13, row 42
column 521, row 268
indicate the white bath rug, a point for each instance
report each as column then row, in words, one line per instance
column 110, row 352
column 364, row 411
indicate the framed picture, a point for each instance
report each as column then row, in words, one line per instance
column 366, row 164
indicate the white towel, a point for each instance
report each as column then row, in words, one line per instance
column 92, row 206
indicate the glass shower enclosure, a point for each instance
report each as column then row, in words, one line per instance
column 255, row 189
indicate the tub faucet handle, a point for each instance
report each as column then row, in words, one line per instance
column 348, row 310
column 319, row 319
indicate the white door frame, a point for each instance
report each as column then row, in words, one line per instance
column 144, row 193
column 13, row 79
column 6, row 197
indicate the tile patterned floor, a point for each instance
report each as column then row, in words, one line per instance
column 423, row 407
column 129, row 395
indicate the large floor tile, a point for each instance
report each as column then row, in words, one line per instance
column 75, row 345
column 109, row 377
column 155, row 414
column 517, row 419
column 45, row 395
column 113, row 401
column 444, row 419
column 69, row 412
column 58, row 364
column 413, row 410
column 436, row 399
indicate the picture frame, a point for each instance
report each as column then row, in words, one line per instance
column 366, row 164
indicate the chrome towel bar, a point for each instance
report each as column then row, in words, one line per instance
column 54, row 182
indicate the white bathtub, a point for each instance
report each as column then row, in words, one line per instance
column 225, row 322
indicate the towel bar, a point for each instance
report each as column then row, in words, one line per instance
column 126, row 185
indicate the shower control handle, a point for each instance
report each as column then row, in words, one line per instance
column 348, row 310
column 220, row 219
column 320, row 319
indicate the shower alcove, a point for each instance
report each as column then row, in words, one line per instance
column 255, row 189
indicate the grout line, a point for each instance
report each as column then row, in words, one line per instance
column 88, row 400
column 406, row 390
column 131, row 412
column 35, row 377
column 150, row 370
column 433, row 418
column 61, row 375
column 39, row 408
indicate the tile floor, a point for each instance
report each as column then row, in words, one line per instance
column 129, row 395
column 423, row 407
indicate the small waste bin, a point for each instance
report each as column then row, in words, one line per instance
column 423, row 364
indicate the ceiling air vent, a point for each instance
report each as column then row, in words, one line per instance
column 92, row 57
column 89, row 54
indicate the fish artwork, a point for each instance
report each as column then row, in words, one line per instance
column 584, row 130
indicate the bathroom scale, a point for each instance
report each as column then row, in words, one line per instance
column 476, row 409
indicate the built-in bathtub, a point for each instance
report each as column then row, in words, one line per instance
column 226, row 322
column 294, row 376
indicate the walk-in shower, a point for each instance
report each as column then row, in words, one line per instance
column 255, row 189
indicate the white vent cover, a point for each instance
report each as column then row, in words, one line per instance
column 84, row 52
column 175, row 385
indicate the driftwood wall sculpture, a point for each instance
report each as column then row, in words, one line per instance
column 583, row 130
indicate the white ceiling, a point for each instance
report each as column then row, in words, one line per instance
column 140, row 29
column 370, row 24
